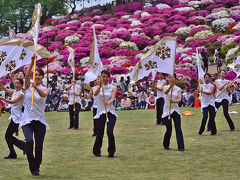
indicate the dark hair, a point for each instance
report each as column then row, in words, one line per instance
column 105, row 72
column 41, row 72
column 122, row 78
column 124, row 95
column 175, row 76
column 223, row 71
column 22, row 72
column 207, row 74
column 20, row 80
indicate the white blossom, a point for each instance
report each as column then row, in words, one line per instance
column 223, row 23
column 203, row 34
column 71, row 40
column 183, row 31
column 194, row 4
column 145, row 14
column 184, row 9
column 129, row 45
column 161, row 6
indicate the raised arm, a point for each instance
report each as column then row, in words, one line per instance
column 13, row 101
column 221, row 87
column 10, row 91
column 29, row 70
column 42, row 93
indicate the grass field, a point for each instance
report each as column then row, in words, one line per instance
column 67, row 153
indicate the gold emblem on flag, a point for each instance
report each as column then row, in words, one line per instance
column 95, row 67
column 23, row 54
column 150, row 65
column 10, row 66
column 2, row 57
column 163, row 51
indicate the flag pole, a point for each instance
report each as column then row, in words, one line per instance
column 74, row 91
column 226, row 88
column 169, row 116
column 104, row 105
column 199, row 83
column 34, row 74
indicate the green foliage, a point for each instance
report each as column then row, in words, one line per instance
column 181, row 84
column 18, row 14
column 225, row 48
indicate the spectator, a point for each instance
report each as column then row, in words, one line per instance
column 191, row 99
column 118, row 95
column 205, row 60
column 233, row 94
column 123, row 85
column 142, row 99
column 125, row 102
column 185, row 97
column 128, row 80
column 151, row 101
column 115, row 82
column 55, row 103
column 218, row 59
column 63, row 106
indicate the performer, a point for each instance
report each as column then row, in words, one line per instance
column 224, row 100
column 33, row 118
column 175, row 113
column 158, row 85
column 208, row 104
column 16, row 113
column 110, row 93
column 74, row 114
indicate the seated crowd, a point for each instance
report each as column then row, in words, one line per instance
column 139, row 96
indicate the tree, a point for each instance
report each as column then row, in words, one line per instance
column 18, row 14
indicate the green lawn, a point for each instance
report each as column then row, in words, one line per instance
column 67, row 153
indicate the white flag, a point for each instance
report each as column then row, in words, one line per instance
column 200, row 70
column 96, row 65
column 71, row 60
column 36, row 23
column 236, row 68
column 13, row 57
column 161, row 58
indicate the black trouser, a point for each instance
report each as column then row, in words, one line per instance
column 211, row 111
column 100, row 125
column 160, row 104
column 94, row 121
column 11, row 140
column 225, row 104
column 177, row 123
column 74, row 115
column 39, row 131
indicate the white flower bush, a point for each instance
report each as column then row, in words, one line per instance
column 140, row 55
column 85, row 61
column 184, row 9
column 71, row 40
column 145, row 14
column 128, row 45
column 231, row 56
column 147, row 5
column 134, row 22
column 184, row 31
column 73, row 21
column 147, row 48
column 203, row 34
column 223, row 23
column 194, row 4
column 161, row 6
column 237, row 26
column 126, row 16
column 221, row 14
column 157, row 37
column 182, row 50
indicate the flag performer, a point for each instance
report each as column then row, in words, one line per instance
column 174, row 97
column 71, row 62
column 16, row 113
column 208, row 104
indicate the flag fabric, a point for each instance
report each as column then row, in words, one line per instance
column 160, row 58
column 12, row 57
column 236, row 68
column 71, row 60
column 200, row 70
column 36, row 23
column 12, row 33
column 96, row 65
